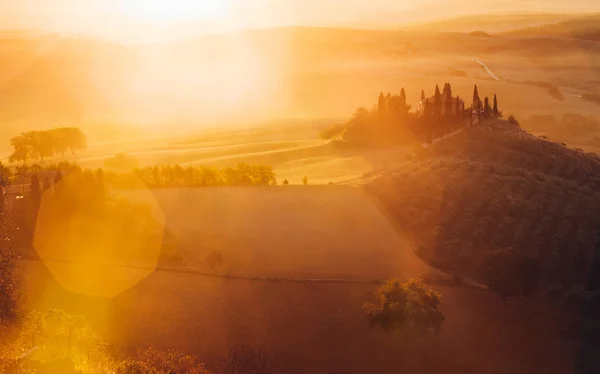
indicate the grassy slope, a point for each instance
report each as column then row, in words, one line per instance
column 496, row 186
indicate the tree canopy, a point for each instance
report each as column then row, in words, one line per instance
column 42, row 144
column 409, row 305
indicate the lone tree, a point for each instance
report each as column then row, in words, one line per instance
column 409, row 305
column 305, row 180
column 286, row 182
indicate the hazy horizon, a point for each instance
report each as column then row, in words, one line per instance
column 136, row 21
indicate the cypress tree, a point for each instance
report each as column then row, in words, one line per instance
column 475, row 94
column 458, row 111
column 381, row 103
column 403, row 95
column 486, row 107
column 495, row 106
column 422, row 95
column 437, row 104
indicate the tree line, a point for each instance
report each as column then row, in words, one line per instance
column 391, row 120
column 41, row 144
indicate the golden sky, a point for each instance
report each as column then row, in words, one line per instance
column 147, row 20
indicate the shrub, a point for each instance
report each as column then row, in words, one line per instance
column 305, row 180
column 513, row 120
column 286, row 182
column 408, row 305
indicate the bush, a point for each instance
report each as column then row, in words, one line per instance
column 409, row 306
column 513, row 120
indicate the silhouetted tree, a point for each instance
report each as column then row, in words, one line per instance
column 380, row 104
column 286, row 182
column 495, row 110
column 305, row 180
column 486, row 108
column 475, row 94
column 437, row 105
column 422, row 95
column 403, row 95
column 459, row 113
column 22, row 149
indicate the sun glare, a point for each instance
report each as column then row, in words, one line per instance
column 163, row 11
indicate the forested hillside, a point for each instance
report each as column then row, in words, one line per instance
column 496, row 203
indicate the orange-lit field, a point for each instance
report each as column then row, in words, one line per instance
column 303, row 232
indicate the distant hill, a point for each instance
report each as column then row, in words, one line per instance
column 495, row 189
column 496, row 23
column 586, row 28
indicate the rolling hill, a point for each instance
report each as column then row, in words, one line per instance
column 585, row 28
column 496, row 23
column 495, row 188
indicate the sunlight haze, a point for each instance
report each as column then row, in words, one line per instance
column 135, row 21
